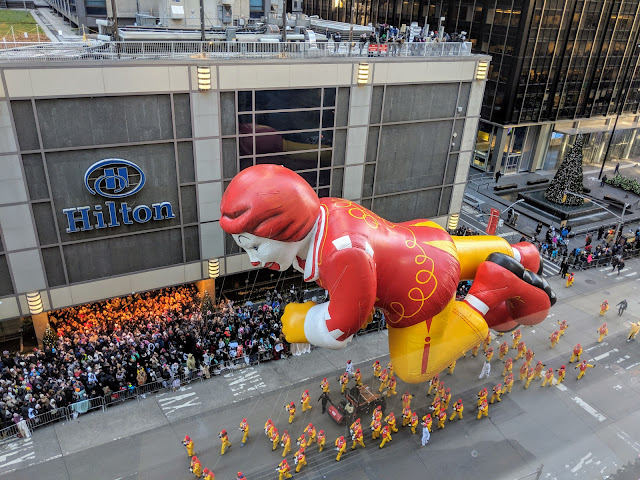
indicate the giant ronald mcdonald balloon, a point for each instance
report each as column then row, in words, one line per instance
column 410, row 270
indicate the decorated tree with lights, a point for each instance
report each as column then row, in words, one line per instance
column 568, row 178
column 49, row 337
column 207, row 303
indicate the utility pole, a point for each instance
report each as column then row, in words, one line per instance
column 202, row 37
column 114, row 15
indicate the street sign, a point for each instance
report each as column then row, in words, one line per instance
column 493, row 221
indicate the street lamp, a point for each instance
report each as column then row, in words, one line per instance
column 619, row 217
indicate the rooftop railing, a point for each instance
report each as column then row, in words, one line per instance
column 189, row 50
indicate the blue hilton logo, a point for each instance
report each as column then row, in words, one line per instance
column 114, row 178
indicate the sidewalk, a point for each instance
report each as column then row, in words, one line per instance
column 481, row 185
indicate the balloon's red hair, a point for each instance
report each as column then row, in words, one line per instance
column 269, row 201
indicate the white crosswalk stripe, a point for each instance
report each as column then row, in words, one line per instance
column 549, row 268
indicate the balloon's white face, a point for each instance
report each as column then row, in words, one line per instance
column 267, row 253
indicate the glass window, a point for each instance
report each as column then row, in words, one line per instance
column 289, row 120
column 294, row 161
column 287, row 99
column 329, row 97
column 245, row 101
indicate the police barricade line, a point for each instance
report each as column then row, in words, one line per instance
column 84, row 406
column 47, row 418
column 11, row 432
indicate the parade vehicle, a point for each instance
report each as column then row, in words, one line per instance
column 364, row 401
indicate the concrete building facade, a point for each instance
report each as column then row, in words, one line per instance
column 112, row 174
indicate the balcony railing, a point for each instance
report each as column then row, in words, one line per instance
column 186, row 50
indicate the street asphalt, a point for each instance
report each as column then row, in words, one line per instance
column 582, row 429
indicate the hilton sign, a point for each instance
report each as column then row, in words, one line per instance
column 114, row 178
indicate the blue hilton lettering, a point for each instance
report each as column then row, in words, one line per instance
column 82, row 219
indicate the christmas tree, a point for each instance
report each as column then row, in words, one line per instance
column 207, row 304
column 49, row 338
column 568, row 178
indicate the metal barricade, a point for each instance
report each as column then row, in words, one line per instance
column 11, row 432
column 48, row 417
column 85, row 406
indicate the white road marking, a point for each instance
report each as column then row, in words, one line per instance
column 561, row 387
column 631, row 274
column 605, row 355
column 626, row 439
column 169, row 405
column 17, row 452
column 589, row 409
column 597, row 345
column 617, row 387
column 634, row 365
column 620, row 360
column 248, row 380
column 580, row 464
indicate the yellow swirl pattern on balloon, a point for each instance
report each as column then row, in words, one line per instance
column 425, row 276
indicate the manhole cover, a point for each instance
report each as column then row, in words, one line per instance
column 590, row 282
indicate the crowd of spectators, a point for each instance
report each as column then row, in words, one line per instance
column 107, row 348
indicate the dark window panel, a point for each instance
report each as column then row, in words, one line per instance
column 376, row 104
column 285, row 121
column 192, row 243
column 366, row 203
column 326, row 138
column 36, row 179
column 450, row 176
column 339, row 147
column 245, row 163
column 6, row 287
column 324, row 192
column 337, row 178
column 25, row 125
column 229, row 166
column 53, row 266
column 185, row 162
column 45, row 226
column 189, row 204
column 104, row 120
column 325, row 158
column 182, row 112
column 409, row 159
column 311, row 178
column 121, row 255
column 420, row 102
column 445, row 201
column 287, row 99
column 369, row 176
column 329, row 97
column 324, row 178
column 342, row 112
column 245, row 101
column 294, row 161
column 228, row 113
column 328, row 118
column 372, row 144
column 230, row 245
